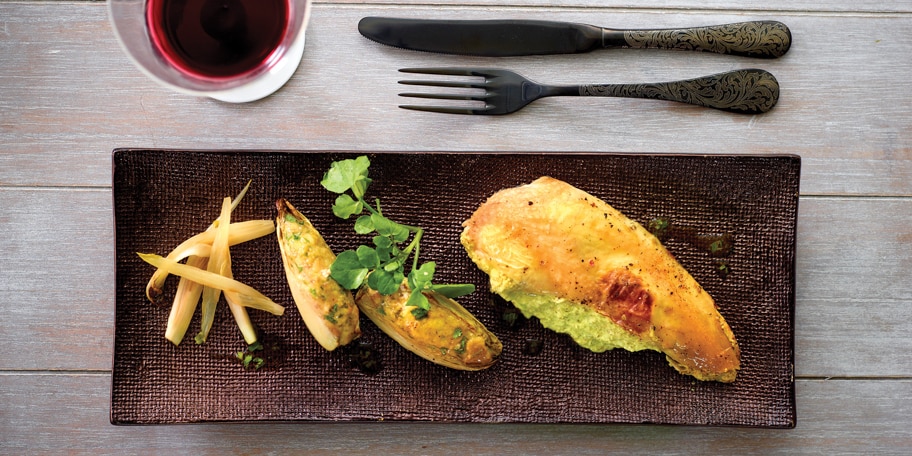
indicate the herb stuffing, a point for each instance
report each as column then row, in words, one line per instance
column 382, row 264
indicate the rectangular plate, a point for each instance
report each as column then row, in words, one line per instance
column 162, row 197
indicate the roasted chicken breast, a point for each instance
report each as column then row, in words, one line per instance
column 585, row 269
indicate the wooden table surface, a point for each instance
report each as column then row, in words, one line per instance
column 69, row 95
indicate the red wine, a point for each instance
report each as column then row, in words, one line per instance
column 217, row 38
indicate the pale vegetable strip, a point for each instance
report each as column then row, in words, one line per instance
column 210, row 250
column 153, row 288
column 219, row 263
column 254, row 302
column 200, row 244
column 247, row 295
column 241, row 318
column 186, row 300
column 221, row 254
column 197, row 250
column 240, row 196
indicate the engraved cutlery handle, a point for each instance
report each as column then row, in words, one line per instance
column 749, row 91
column 764, row 39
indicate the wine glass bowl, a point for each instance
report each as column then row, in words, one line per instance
column 230, row 50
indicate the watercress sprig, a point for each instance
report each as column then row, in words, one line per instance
column 380, row 265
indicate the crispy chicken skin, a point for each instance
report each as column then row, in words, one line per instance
column 585, row 269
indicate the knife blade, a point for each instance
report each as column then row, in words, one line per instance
column 514, row 37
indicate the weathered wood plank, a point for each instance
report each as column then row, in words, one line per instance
column 68, row 95
column 68, row 412
column 57, row 278
column 840, row 107
column 853, row 311
column 867, row 6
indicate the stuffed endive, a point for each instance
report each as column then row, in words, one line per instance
column 447, row 334
column 328, row 310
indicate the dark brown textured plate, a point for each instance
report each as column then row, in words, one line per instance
column 162, row 197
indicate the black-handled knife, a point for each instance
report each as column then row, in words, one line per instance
column 501, row 38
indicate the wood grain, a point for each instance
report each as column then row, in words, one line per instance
column 697, row 7
column 842, row 6
column 852, row 141
column 67, row 412
column 851, row 310
column 68, row 96
column 57, row 278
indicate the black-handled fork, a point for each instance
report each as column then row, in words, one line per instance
column 749, row 91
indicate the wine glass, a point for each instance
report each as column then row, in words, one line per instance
column 230, row 50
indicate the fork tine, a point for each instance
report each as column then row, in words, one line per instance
column 443, row 96
column 444, row 109
column 455, row 84
column 450, row 71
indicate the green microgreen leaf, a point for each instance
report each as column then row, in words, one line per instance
column 454, row 290
column 364, row 225
column 420, row 303
column 385, row 282
column 420, row 279
column 345, row 207
column 367, row 257
column 386, row 227
column 418, row 299
column 258, row 363
column 345, row 175
column 385, row 249
column 394, row 265
column 461, row 348
column 381, row 267
column 348, row 271
column 716, row 246
column 383, row 242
